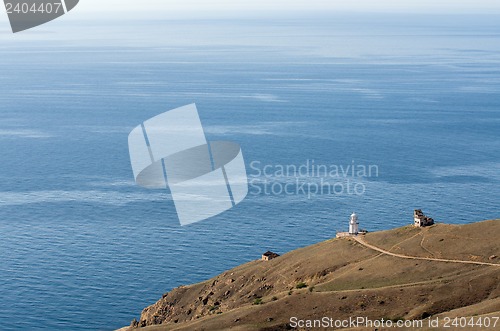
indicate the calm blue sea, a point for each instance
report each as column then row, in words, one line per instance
column 83, row 248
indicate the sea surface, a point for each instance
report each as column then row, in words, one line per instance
column 83, row 248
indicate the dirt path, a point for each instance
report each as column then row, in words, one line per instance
column 362, row 241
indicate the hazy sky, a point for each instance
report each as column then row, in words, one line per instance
column 155, row 9
column 224, row 6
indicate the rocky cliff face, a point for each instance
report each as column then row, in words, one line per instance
column 221, row 294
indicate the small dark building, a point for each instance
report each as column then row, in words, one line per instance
column 269, row 256
column 420, row 220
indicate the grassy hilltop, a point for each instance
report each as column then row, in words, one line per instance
column 342, row 278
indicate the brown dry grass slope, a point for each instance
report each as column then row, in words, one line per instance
column 345, row 278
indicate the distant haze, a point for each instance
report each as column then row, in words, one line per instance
column 222, row 7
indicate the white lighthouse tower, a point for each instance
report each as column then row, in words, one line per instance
column 353, row 224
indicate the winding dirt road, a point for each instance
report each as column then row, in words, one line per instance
column 361, row 240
